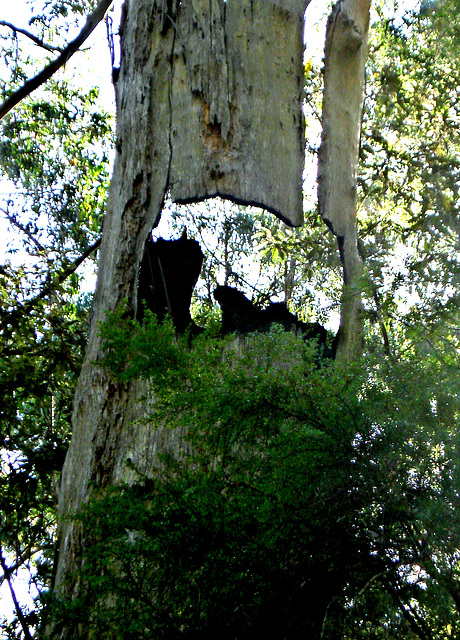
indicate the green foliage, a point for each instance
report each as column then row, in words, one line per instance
column 409, row 172
column 221, row 539
column 54, row 150
column 304, row 501
column 40, row 358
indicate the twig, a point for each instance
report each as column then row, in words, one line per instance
column 383, row 329
column 51, row 284
column 55, row 282
column 24, row 229
column 46, row 73
column 29, row 35
column 7, row 573
column 369, row 582
column 21, row 559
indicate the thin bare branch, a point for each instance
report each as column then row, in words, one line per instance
column 51, row 284
column 21, row 559
column 46, row 73
column 29, row 35
column 54, row 283
column 24, row 230
column 22, row 621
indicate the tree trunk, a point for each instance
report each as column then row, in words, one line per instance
column 209, row 102
column 344, row 82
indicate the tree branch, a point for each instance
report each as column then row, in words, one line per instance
column 21, row 558
column 29, row 35
column 7, row 573
column 383, row 329
column 46, row 73
column 51, row 283
column 24, row 230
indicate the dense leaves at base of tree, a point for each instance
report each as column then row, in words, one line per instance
column 306, row 502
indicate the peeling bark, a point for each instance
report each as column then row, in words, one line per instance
column 344, row 77
column 209, row 102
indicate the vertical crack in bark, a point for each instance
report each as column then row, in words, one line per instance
column 170, row 103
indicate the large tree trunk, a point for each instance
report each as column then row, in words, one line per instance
column 209, row 101
column 344, row 83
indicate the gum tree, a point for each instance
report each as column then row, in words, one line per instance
column 193, row 83
column 209, row 102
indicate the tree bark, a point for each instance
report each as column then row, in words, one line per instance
column 344, row 82
column 209, row 102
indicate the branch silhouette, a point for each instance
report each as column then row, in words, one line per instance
column 45, row 74
column 51, row 284
column 29, row 35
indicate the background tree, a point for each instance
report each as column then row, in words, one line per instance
column 345, row 57
column 409, row 176
column 54, row 160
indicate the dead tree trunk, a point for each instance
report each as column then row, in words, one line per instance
column 209, row 102
column 344, row 78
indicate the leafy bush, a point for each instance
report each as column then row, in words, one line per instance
column 299, row 507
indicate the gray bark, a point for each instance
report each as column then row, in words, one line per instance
column 239, row 139
column 227, row 77
column 344, row 82
column 209, row 102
